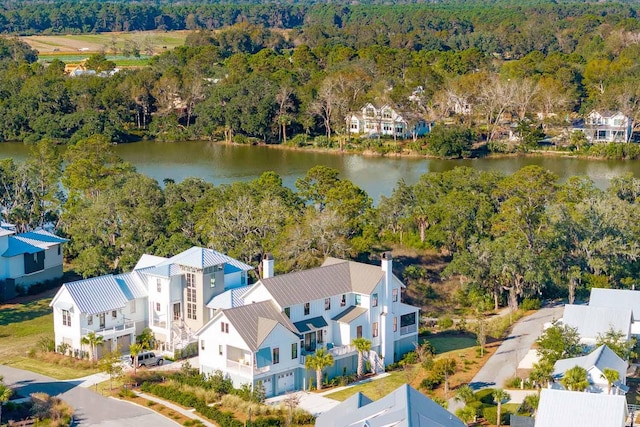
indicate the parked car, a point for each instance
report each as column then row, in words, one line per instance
column 148, row 358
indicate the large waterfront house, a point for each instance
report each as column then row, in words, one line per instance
column 386, row 121
column 27, row 259
column 608, row 126
column 264, row 335
column 168, row 295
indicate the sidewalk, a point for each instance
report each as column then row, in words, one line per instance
column 189, row 413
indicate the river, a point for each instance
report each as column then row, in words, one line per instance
column 221, row 164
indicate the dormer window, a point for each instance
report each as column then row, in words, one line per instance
column 159, row 285
column 327, row 303
column 343, row 300
column 358, row 299
column 374, row 300
column 307, row 308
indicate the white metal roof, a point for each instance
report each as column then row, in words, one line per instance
column 561, row 408
column 616, row 298
column 592, row 321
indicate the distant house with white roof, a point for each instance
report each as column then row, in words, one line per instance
column 595, row 363
column 168, row 295
column 619, row 299
column 591, row 321
column 561, row 408
column 386, row 121
column 608, row 126
column 403, row 407
column 28, row 258
column 264, row 336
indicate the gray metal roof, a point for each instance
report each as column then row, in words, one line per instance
column 198, row 257
column 350, row 314
column 592, row 321
column 602, row 357
column 403, row 407
column 254, row 321
column 616, row 298
column 132, row 283
column 228, row 299
column 97, row 295
column 334, row 277
column 574, row 408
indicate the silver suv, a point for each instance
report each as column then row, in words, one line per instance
column 149, row 358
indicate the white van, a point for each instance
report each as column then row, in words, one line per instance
column 149, row 358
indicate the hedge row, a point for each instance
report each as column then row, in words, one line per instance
column 224, row 419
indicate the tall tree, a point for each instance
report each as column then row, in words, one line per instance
column 317, row 362
column 93, row 340
column 500, row 396
column 362, row 345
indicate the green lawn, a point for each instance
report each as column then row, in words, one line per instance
column 447, row 343
column 373, row 389
column 21, row 327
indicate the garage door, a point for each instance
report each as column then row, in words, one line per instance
column 268, row 387
column 285, row 382
column 124, row 342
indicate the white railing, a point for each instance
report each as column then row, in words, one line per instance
column 342, row 350
column 245, row 369
column 410, row 329
column 159, row 323
column 114, row 329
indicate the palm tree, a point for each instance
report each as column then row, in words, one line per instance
column 5, row 394
column 464, row 393
column 135, row 350
column 362, row 345
column 611, row 375
column 575, row 379
column 93, row 340
column 500, row 396
column 318, row 361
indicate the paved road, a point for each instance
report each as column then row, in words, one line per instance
column 91, row 409
column 503, row 363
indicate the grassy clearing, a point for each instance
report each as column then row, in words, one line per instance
column 445, row 343
column 22, row 325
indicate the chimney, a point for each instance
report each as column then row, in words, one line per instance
column 267, row 266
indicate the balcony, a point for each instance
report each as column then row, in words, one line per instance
column 245, row 369
column 116, row 331
column 342, row 350
column 409, row 329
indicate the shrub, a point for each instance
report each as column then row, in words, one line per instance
column 531, row 304
column 431, row 381
column 516, row 382
column 490, row 413
column 445, row 322
column 477, row 406
column 485, row 395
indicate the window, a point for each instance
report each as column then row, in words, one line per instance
column 319, row 336
column 244, row 278
column 213, row 280
column 374, row 300
column 327, row 303
column 133, row 306
column 201, row 344
column 359, row 331
column 90, row 320
column 395, row 324
column 159, row 285
column 114, row 314
column 374, row 329
column 407, row 319
column 157, row 306
column 294, row 350
column 224, row 327
column 394, row 294
column 307, row 308
column 191, row 296
column 343, row 300
column 66, row 318
column 58, row 249
column 220, row 349
column 287, row 312
column 358, row 299
column 276, row 356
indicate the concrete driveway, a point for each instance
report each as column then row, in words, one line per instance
column 503, row 363
column 91, row 409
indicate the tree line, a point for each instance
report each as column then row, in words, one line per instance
column 508, row 236
column 250, row 82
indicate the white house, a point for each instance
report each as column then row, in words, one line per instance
column 28, row 258
column 386, row 121
column 560, row 408
column 286, row 317
column 608, row 126
column 591, row 321
column 168, row 295
column 403, row 407
column 595, row 363
column 619, row 299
